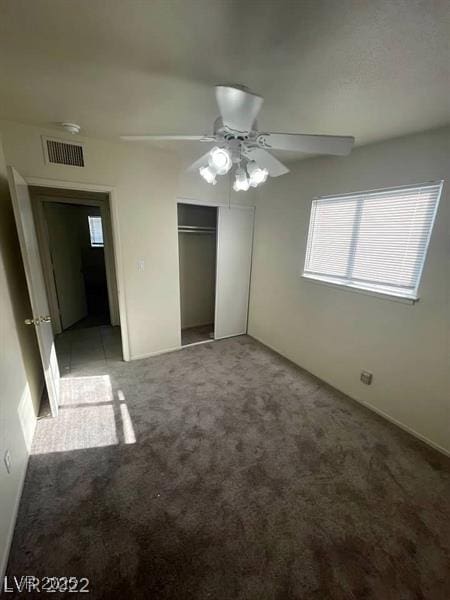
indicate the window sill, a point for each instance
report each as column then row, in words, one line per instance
column 350, row 288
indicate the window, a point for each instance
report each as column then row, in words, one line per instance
column 96, row 232
column 375, row 241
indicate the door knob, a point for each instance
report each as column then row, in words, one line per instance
column 38, row 320
column 32, row 322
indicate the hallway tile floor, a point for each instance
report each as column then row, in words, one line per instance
column 78, row 347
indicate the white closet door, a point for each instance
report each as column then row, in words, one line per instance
column 234, row 257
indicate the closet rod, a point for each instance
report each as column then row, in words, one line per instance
column 195, row 229
column 197, row 232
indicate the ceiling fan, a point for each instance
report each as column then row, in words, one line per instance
column 239, row 144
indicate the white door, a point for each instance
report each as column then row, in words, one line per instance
column 40, row 318
column 234, row 258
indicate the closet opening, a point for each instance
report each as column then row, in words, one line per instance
column 197, row 247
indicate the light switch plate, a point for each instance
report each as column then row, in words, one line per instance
column 140, row 264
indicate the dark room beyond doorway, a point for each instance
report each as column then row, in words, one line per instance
column 75, row 236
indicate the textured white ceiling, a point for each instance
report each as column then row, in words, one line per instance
column 371, row 68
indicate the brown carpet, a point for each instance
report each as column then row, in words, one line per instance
column 224, row 472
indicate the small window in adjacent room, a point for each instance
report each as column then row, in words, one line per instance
column 96, row 232
column 375, row 241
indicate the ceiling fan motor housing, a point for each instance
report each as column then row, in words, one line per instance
column 232, row 134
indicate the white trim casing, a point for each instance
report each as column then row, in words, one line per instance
column 113, row 205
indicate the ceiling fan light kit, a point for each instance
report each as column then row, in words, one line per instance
column 241, row 183
column 257, row 175
column 208, row 174
column 220, row 160
column 241, row 146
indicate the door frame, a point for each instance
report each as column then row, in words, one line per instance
column 195, row 202
column 113, row 248
column 44, row 246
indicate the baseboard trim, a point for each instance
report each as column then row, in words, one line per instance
column 12, row 525
column 225, row 337
column 157, row 353
column 371, row 407
column 401, row 425
column 197, row 343
column 175, row 348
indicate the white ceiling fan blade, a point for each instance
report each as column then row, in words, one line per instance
column 311, row 144
column 238, row 107
column 200, row 162
column 266, row 161
column 169, row 138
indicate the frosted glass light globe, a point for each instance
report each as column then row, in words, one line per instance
column 220, row 160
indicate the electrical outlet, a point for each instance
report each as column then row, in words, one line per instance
column 7, row 460
column 366, row 377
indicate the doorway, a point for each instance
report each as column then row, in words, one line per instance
column 76, row 246
column 197, row 246
column 215, row 256
column 29, row 218
column 75, row 243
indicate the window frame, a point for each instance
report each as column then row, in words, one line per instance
column 93, row 244
column 347, row 285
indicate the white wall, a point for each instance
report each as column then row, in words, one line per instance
column 335, row 333
column 145, row 182
column 20, row 370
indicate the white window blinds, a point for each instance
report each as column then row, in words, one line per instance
column 96, row 231
column 374, row 240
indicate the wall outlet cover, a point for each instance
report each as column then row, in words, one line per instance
column 366, row 377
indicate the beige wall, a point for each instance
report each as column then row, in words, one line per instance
column 20, row 370
column 335, row 333
column 145, row 188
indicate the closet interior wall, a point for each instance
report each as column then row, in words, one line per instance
column 197, row 255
